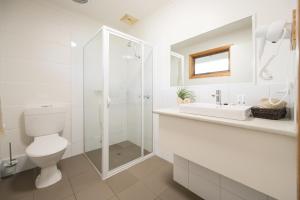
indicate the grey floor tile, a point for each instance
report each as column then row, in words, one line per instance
column 159, row 180
column 122, row 153
column 121, row 181
column 72, row 197
column 137, row 191
column 119, row 154
column 95, row 157
column 149, row 180
column 113, row 198
column 125, row 144
column 19, row 186
column 75, row 165
column 84, row 180
column 147, row 167
column 58, row 191
column 97, row 191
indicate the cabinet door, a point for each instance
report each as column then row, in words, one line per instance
column 203, row 188
column 181, row 171
column 204, row 182
column 241, row 190
column 225, row 195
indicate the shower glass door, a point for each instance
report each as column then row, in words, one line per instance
column 125, row 101
column 93, row 103
column 148, row 99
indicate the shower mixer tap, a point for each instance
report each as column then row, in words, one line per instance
column 218, row 97
column 147, row 96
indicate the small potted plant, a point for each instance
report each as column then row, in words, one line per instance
column 184, row 96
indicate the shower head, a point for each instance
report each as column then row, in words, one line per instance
column 129, row 44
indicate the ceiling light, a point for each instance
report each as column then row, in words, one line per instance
column 128, row 19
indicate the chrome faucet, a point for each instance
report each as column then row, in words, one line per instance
column 218, row 96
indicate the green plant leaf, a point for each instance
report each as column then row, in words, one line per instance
column 184, row 94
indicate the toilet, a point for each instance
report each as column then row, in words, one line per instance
column 45, row 124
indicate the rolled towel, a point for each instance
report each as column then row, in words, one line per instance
column 264, row 103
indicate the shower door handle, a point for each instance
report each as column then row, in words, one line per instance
column 108, row 101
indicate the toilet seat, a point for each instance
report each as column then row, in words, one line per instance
column 46, row 145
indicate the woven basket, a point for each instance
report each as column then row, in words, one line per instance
column 267, row 113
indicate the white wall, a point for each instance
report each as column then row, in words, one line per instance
column 181, row 20
column 37, row 66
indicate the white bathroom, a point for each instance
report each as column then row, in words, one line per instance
column 158, row 100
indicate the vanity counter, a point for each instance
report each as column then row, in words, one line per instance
column 282, row 127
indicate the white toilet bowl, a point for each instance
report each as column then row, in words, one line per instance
column 44, row 123
column 45, row 152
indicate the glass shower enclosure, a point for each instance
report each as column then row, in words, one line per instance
column 117, row 82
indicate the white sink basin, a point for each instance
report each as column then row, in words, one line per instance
column 237, row 112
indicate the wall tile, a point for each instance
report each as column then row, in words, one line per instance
column 36, row 62
column 77, row 124
column 19, row 141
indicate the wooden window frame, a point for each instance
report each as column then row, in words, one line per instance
column 209, row 52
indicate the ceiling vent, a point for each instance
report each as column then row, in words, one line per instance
column 81, row 1
column 128, row 19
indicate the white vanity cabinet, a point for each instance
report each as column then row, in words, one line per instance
column 211, row 185
column 229, row 159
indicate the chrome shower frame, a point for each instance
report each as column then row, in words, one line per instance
column 106, row 32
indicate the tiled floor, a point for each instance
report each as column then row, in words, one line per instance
column 120, row 154
column 149, row 180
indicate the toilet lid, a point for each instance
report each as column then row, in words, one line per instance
column 46, row 145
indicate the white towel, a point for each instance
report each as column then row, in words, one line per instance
column 264, row 103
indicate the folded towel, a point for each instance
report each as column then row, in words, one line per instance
column 265, row 103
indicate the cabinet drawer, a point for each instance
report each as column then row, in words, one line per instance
column 181, row 171
column 241, row 190
column 181, row 162
column 226, row 195
column 203, row 188
column 204, row 173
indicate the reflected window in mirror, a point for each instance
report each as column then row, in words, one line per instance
column 177, row 69
column 210, row 63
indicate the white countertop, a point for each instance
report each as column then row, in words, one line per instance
column 282, row 127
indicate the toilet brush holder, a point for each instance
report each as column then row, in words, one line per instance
column 9, row 167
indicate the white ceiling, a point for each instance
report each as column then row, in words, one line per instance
column 109, row 12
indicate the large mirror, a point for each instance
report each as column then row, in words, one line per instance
column 223, row 55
